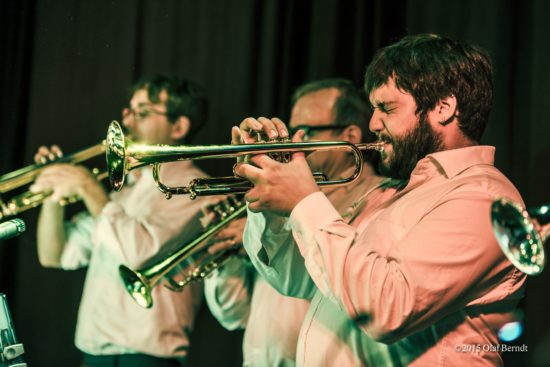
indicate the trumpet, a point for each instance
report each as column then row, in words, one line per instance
column 139, row 283
column 27, row 175
column 120, row 150
column 521, row 233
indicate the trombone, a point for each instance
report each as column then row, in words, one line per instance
column 120, row 151
column 521, row 233
column 139, row 283
column 26, row 175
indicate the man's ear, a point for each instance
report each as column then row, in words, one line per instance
column 180, row 128
column 352, row 133
column 444, row 112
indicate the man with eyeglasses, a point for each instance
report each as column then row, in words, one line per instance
column 128, row 227
column 330, row 109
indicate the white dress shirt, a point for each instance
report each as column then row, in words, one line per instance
column 132, row 228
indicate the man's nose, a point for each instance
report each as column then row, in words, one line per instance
column 127, row 117
column 375, row 123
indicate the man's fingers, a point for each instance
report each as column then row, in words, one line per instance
column 248, row 171
column 220, row 246
column 35, row 187
column 251, row 124
column 45, row 154
column 57, row 151
column 249, row 128
column 41, row 155
column 281, row 127
column 252, row 196
column 229, row 233
column 262, row 160
column 269, row 128
column 236, row 138
column 298, row 138
column 254, row 207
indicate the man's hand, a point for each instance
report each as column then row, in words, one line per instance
column 45, row 154
column 278, row 187
column 254, row 130
column 229, row 237
column 64, row 181
column 67, row 181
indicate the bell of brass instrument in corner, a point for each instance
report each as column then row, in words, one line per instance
column 521, row 233
column 192, row 260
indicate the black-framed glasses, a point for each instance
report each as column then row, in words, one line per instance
column 309, row 131
column 142, row 114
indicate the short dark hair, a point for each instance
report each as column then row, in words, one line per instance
column 351, row 107
column 185, row 98
column 431, row 67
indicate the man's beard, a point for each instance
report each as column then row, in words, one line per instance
column 411, row 148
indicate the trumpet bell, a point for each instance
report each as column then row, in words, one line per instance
column 116, row 156
column 137, row 285
column 517, row 236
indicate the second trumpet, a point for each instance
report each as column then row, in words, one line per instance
column 192, row 260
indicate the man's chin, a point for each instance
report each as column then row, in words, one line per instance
column 389, row 170
column 386, row 158
column 384, row 168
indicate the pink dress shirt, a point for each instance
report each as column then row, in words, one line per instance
column 415, row 278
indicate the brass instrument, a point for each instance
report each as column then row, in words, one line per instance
column 518, row 236
column 120, row 151
column 27, row 175
column 139, row 283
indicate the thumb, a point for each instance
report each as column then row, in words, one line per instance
column 236, row 137
column 298, row 138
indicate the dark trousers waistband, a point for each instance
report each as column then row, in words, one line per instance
column 130, row 360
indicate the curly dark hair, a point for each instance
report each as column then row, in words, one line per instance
column 431, row 67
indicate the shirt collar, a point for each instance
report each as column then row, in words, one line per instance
column 453, row 162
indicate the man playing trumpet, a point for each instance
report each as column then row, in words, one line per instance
column 330, row 110
column 417, row 279
column 127, row 227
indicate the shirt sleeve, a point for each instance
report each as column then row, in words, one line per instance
column 269, row 243
column 228, row 293
column 78, row 244
column 428, row 273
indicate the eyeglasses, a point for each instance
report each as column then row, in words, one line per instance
column 309, row 131
column 142, row 114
